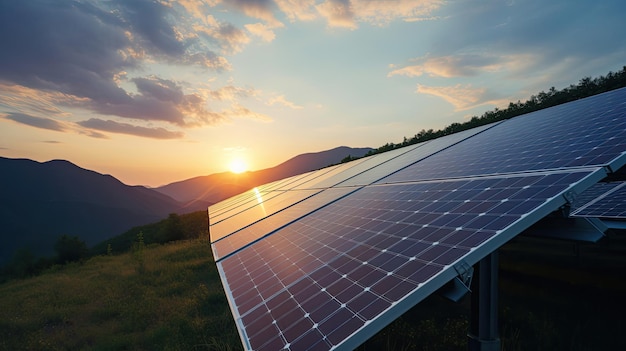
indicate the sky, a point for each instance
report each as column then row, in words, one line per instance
column 154, row 92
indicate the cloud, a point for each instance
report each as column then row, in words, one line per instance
column 124, row 128
column 346, row 13
column 156, row 100
column 339, row 13
column 38, row 122
column 548, row 32
column 147, row 19
column 262, row 31
column 462, row 97
column 78, row 53
column 281, row 100
column 61, row 47
column 36, row 102
column 298, row 9
column 238, row 111
column 261, row 9
column 383, row 12
column 463, row 65
column 231, row 93
column 231, row 39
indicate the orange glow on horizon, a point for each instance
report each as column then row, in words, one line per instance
column 238, row 166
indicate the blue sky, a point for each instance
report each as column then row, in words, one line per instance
column 159, row 91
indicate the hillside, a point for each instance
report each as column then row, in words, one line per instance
column 216, row 187
column 170, row 297
column 41, row 201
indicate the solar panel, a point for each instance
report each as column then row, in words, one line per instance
column 363, row 165
column 586, row 132
column 328, row 268
column 247, row 235
column 266, row 204
column 237, row 204
column 603, row 200
column 413, row 155
column 323, row 280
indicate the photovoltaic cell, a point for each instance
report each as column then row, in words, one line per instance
column 587, row 132
column 603, row 200
column 319, row 280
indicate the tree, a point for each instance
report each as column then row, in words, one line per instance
column 23, row 263
column 70, row 249
column 174, row 228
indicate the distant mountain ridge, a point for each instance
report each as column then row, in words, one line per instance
column 40, row 201
column 216, row 187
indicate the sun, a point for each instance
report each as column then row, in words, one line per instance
column 237, row 166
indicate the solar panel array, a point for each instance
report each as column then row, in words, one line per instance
column 324, row 260
column 603, row 200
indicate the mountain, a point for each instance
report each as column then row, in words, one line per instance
column 216, row 187
column 41, row 201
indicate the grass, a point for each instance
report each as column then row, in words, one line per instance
column 170, row 298
column 175, row 302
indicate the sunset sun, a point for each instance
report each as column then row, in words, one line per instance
column 238, row 166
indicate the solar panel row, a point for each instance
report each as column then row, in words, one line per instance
column 603, row 200
column 325, row 260
column 366, row 252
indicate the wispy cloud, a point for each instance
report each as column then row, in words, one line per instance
column 35, row 101
column 548, row 33
column 339, row 13
column 261, row 9
column 463, row 65
column 348, row 14
column 124, row 128
column 462, row 97
column 37, row 122
column 231, row 39
column 157, row 100
column 282, row 100
column 383, row 12
column 239, row 111
column 231, row 93
column 261, row 30
column 303, row 10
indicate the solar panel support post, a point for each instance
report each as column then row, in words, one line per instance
column 483, row 333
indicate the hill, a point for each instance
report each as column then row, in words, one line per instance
column 41, row 201
column 170, row 297
column 216, row 187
